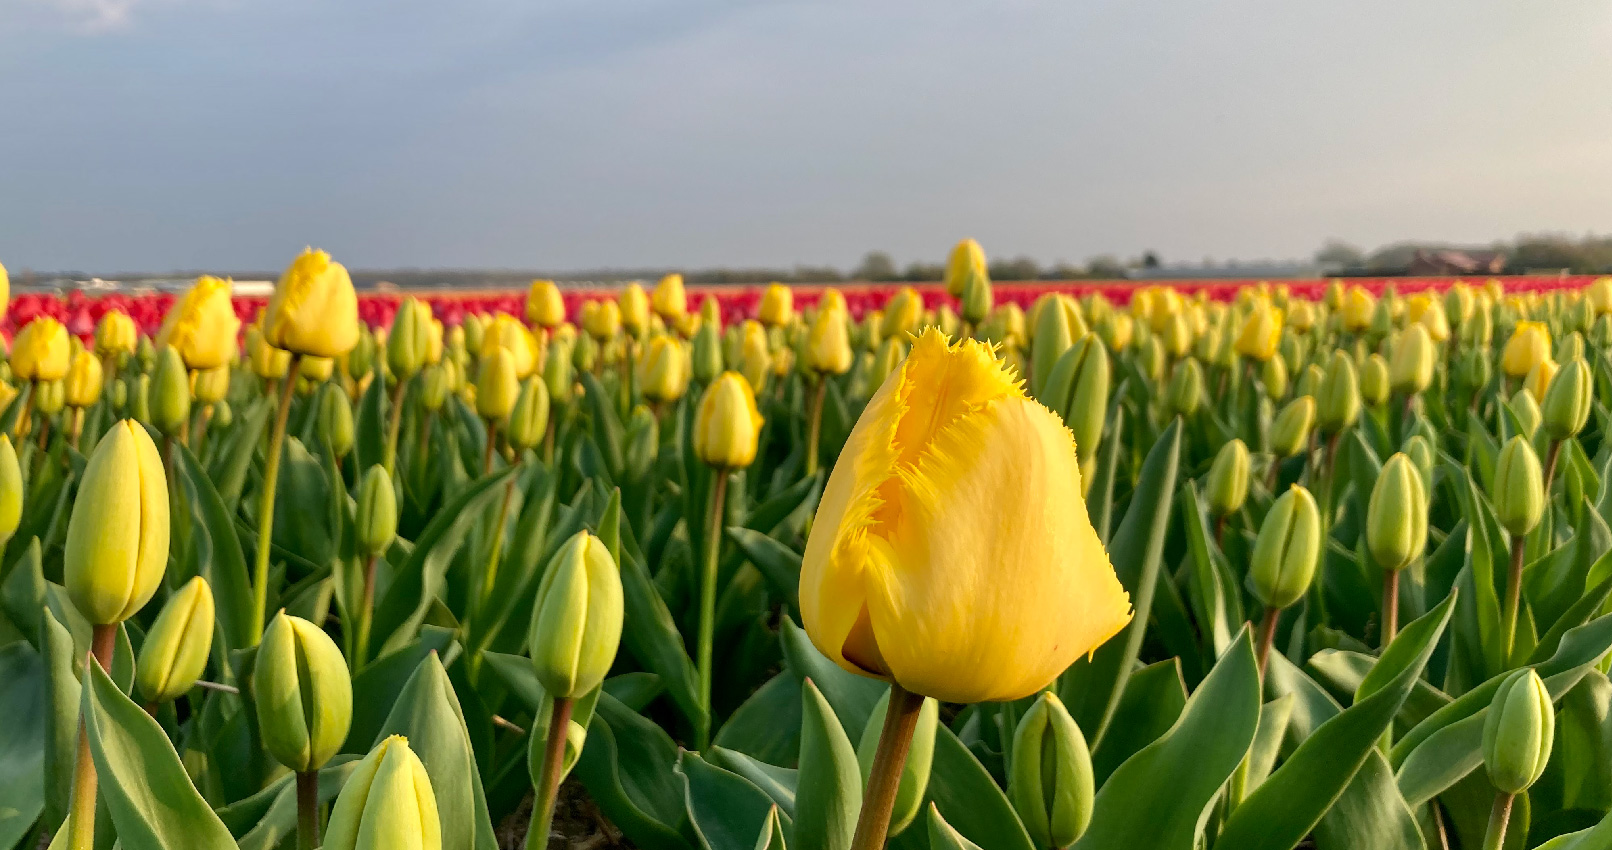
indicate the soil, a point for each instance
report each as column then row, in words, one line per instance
column 578, row 824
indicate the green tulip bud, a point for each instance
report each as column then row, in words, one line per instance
column 1273, row 374
column 140, row 398
column 1568, row 400
column 1527, row 411
column 885, row 362
column 584, row 352
column 1290, row 433
column 386, row 803
column 977, row 303
column 377, row 512
column 1228, row 479
column 1051, row 784
column 1150, row 357
column 1338, row 405
column 117, row 537
column 1518, row 732
column 175, row 650
column 642, row 439
column 1570, row 347
column 1310, row 381
column 1519, row 487
column 1480, row 330
column 576, row 621
column 223, row 415
column 1052, row 338
column 1286, row 550
column 1077, row 389
column 434, row 386
column 557, row 373
column 920, row 759
column 1186, row 387
column 475, row 332
column 11, row 490
column 1413, row 359
column 303, row 694
column 1396, row 516
column 1420, row 451
column 50, row 396
column 409, row 340
column 336, row 420
column 170, row 393
column 1601, row 331
column 705, row 361
column 146, row 353
column 530, row 419
column 120, row 396
column 1374, row 381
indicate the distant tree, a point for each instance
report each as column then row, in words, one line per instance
column 876, row 266
column 1105, row 266
column 1062, row 271
column 918, row 272
column 1018, row 268
column 1150, row 260
column 818, row 274
column 1338, row 254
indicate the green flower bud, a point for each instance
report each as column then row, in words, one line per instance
column 475, row 332
column 120, row 396
column 50, row 396
column 1480, row 330
column 361, row 360
column 1290, row 433
column 576, row 621
column 146, row 353
column 1051, row 784
column 1601, row 331
column 117, row 537
column 210, row 386
column 1286, row 550
column 1570, row 347
column 530, row 419
column 1374, row 381
column 1413, row 358
column 1518, row 732
column 977, row 302
column 1338, row 405
column 1396, row 516
column 1568, row 400
column 1077, row 389
column 1519, row 487
column 377, row 512
column 1527, row 410
column 140, row 398
column 920, row 759
column 435, row 385
column 1186, row 387
column 1310, row 381
column 222, row 414
column 1227, row 484
column 336, row 420
column 409, row 340
column 170, row 393
column 706, row 359
column 303, row 694
column 386, row 803
column 584, row 352
column 175, row 650
column 1150, row 357
column 1274, row 376
column 1420, row 451
column 1052, row 339
column 11, row 490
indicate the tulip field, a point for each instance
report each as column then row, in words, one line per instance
column 1015, row 566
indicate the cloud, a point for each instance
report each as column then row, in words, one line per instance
column 93, row 16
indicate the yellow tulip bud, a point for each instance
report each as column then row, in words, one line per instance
column 1338, row 400
column 557, row 375
column 170, row 393
column 210, row 386
column 11, row 490
column 668, row 299
column 117, row 537
column 1411, row 369
column 1286, row 550
column 83, row 381
column 1185, row 392
column 576, row 620
column 777, row 306
column 544, row 307
column 1375, row 383
column 336, row 421
column 1519, row 487
column 1260, row 332
column 633, row 309
column 314, row 310
column 1396, row 515
column 1540, row 378
column 1357, row 309
column 727, row 425
column 497, row 385
column 202, row 325
column 376, row 520
column 755, row 357
column 1528, row 347
column 506, row 332
column 828, row 345
column 1274, row 376
column 902, row 312
column 115, row 334
column 927, row 566
column 1227, row 485
column 50, row 396
column 665, row 370
column 967, row 260
column 39, row 352
column 408, row 342
column 175, row 650
column 603, row 321
column 1568, row 400
column 268, row 362
column 303, row 692
column 386, row 803
column 529, row 419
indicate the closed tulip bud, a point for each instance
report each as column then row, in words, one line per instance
column 633, row 306
column 1286, row 550
column 727, row 425
column 545, row 307
column 314, row 310
column 11, row 490
column 1186, row 387
column 1338, row 405
column 436, row 382
column 904, row 597
column 83, row 382
column 1301, row 316
column 1052, row 339
column 1411, row 369
column 1260, row 332
column 50, row 396
column 668, row 299
column 210, row 386
column 1274, row 376
column 267, row 361
column 115, row 334
column 977, row 299
column 1473, row 369
column 376, row 521
column 777, row 306
column 1151, row 359
column 117, row 536
column 386, row 803
column 576, row 621
column 497, row 386
column 755, row 357
column 966, row 261
column 1051, row 784
column 920, row 759
column 175, row 650
column 1078, row 391
column 665, row 370
column 828, row 345
column 1568, row 401
column 706, row 360
column 1357, row 309
column 202, row 325
column 1290, row 433
column 120, row 396
column 1228, row 479
column 1458, row 304
column 360, row 361
column 1309, row 382
column 336, row 420
column 1528, row 347
column 1116, row 330
column 40, row 351
column 1570, row 347
column 475, row 332
column 1540, row 377
column 584, row 353
column 303, row 693
column 1396, row 516
column 557, row 372
column 408, row 342
column 1421, row 454
column 1519, row 487
column 170, row 393
column 1374, row 380
column 529, row 420
column 903, row 313
column 140, row 398
column 1382, row 316
column 1527, row 412
column 885, row 362
column 1518, row 732
column 506, row 332
column 1177, row 335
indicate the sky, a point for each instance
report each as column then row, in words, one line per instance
column 153, row 135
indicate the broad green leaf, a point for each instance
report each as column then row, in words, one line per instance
column 650, row 635
column 853, row 697
column 1151, row 704
column 828, row 794
column 967, row 795
column 779, row 783
column 63, row 695
column 224, row 568
column 23, row 704
column 766, row 726
column 1370, row 813
column 943, row 837
column 777, row 563
column 377, row 686
column 725, row 809
column 628, row 767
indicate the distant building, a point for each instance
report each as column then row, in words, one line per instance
column 1450, row 262
column 1229, row 271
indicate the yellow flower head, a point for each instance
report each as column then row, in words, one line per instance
column 1528, row 347
column 506, row 332
column 1260, row 333
column 544, row 306
column 929, row 566
column 668, row 299
column 115, row 333
column 967, row 260
column 202, row 325
column 1358, row 306
column 777, row 305
column 634, row 309
column 84, row 380
column 314, row 309
column 727, row 425
column 40, row 351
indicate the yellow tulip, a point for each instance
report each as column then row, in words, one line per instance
column 202, row 325
column 967, row 260
column 387, row 804
column 1539, row 377
column 602, row 319
column 755, row 356
column 506, row 332
column 544, row 306
column 727, row 425
column 1411, row 362
column 634, row 310
column 1260, row 333
column 1528, row 347
column 5, row 291
column 117, row 537
column 828, row 345
column 83, row 381
column 777, row 306
column 668, row 299
column 665, row 370
column 1300, row 315
column 314, row 310
column 1600, row 295
column 902, row 313
column 497, row 385
column 268, row 362
column 115, row 334
column 209, row 386
column 40, row 351
column 928, row 566
column 1358, row 307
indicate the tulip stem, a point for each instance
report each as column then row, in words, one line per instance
column 1267, row 636
column 265, row 519
column 1513, row 594
column 366, row 615
column 487, row 451
column 307, row 810
column 1495, row 837
column 1550, row 464
column 394, row 422
column 81, row 810
column 814, row 424
column 490, row 575
column 75, row 426
column 1390, row 606
column 713, row 548
column 884, row 779
column 537, row 835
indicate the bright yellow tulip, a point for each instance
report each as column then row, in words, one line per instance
column 83, row 380
column 202, row 325
column 1260, row 333
column 665, row 370
column 1528, row 347
column 634, row 310
column 314, row 310
column 506, row 332
column 40, row 351
column 117, row 536
column 777, row 306
column 828, row 344
column 967, row 259
column 668, row 299
column 1358, row 306
column 1539, row 377
column 544, row 306
column 727, row 425
column 115, row 333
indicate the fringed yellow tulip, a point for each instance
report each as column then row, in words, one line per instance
column 1528, row 347
column 202, row 325
column 314, row 310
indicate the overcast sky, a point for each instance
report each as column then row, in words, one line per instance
column 564, row 134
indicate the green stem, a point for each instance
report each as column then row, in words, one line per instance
column 713, row 547
column 366, row 615
column 814, row 424
column 308, row 810
column 265, row 519
column 490, row 575
column 1267, row 636
column 1390, row 606
column 537, row 835
column 884, row 778
column 1513, row 594
column 1495, row 837
column 487, row 451
column 81, row 808
column 1550, row 464
column 394, row 422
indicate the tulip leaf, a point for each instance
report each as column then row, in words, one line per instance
column 268, row 819
column 607, row 429
column 628, row 767
column 1342, row 671
column 650, row 635
column 24, row 705
column 220, row 560
column 779, row 783
column 369, row 422
column 726, row 811
column 1151, row 704
column 772, row 832
column 1186, row 766
column 233, row 459
column 1294, row 798
column 22, row 594
column 377, row 686
column 1598, row 837
column 152, row 803
column 1092, row 687
column 962, row 790
column 1100, row 491
column 943, row 837
column 828, row 793
column 302, row 506
column 777, row 563
column 766, row 726
column 1216, row 600
column 504, row 622
column 61, row 716
column 1370, row 813
column 853, row 697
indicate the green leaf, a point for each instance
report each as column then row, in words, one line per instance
column 61, row 717
column 369, row 423
column 1370, row 813
column 1151, row 704
column 766, row 726
column 1187, row 766
column 962, row 789
column 828, row 794
column 650, row 635
column 146, row 790
column 853, row 697
column 943, row 837
column 224, row 565
column 23, row 704
column 1598, row 837
column 628, row 767
column 607, row 429
column 779, row 783
column 777, row 563
column 725, row 809
column 377, row 686
column 268, row 818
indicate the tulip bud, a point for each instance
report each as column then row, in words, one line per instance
column 1286, row 550
column 210, row 386
column 140, row 398
column 634, row 308
column 1087, row 405
column 777, row 305
column 1052, row 339
column 1150, row 358
column 303, row 693
column 827, row 347
column 1527, row 412
column 386, row 803
column 1570, row 347
column 497, row 386
column 966, row 261
column 1290, row 433
column 50, row 396
column 706, row 361
column 175, row 650
column 409, row 339
column 584, row 353
column 557, row 374
column 170, row 393
column 642, row 440
column 727, row 425
column 336, row 420
column 665, row 370
column 1338, row 405
column 1051, row 784
column 1186, row 387
column 222, row 414
column 1228, row 479
column 977, row 298
column 376, row 521
column 117, row 537
column 120, row 396
column 576, row 621
column 1519, row 487
column 1568, row 400
column 1274, row 376
column 1540, row 377
column 1309, row 382
column 82, row 386
column 529, row 421
column 475, row 332
column 1518, row 732
column 11, row 490
column 885, row 362
column 544, row 308
column 1374, row 380
column 1420, row 451
column 1396, row 516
